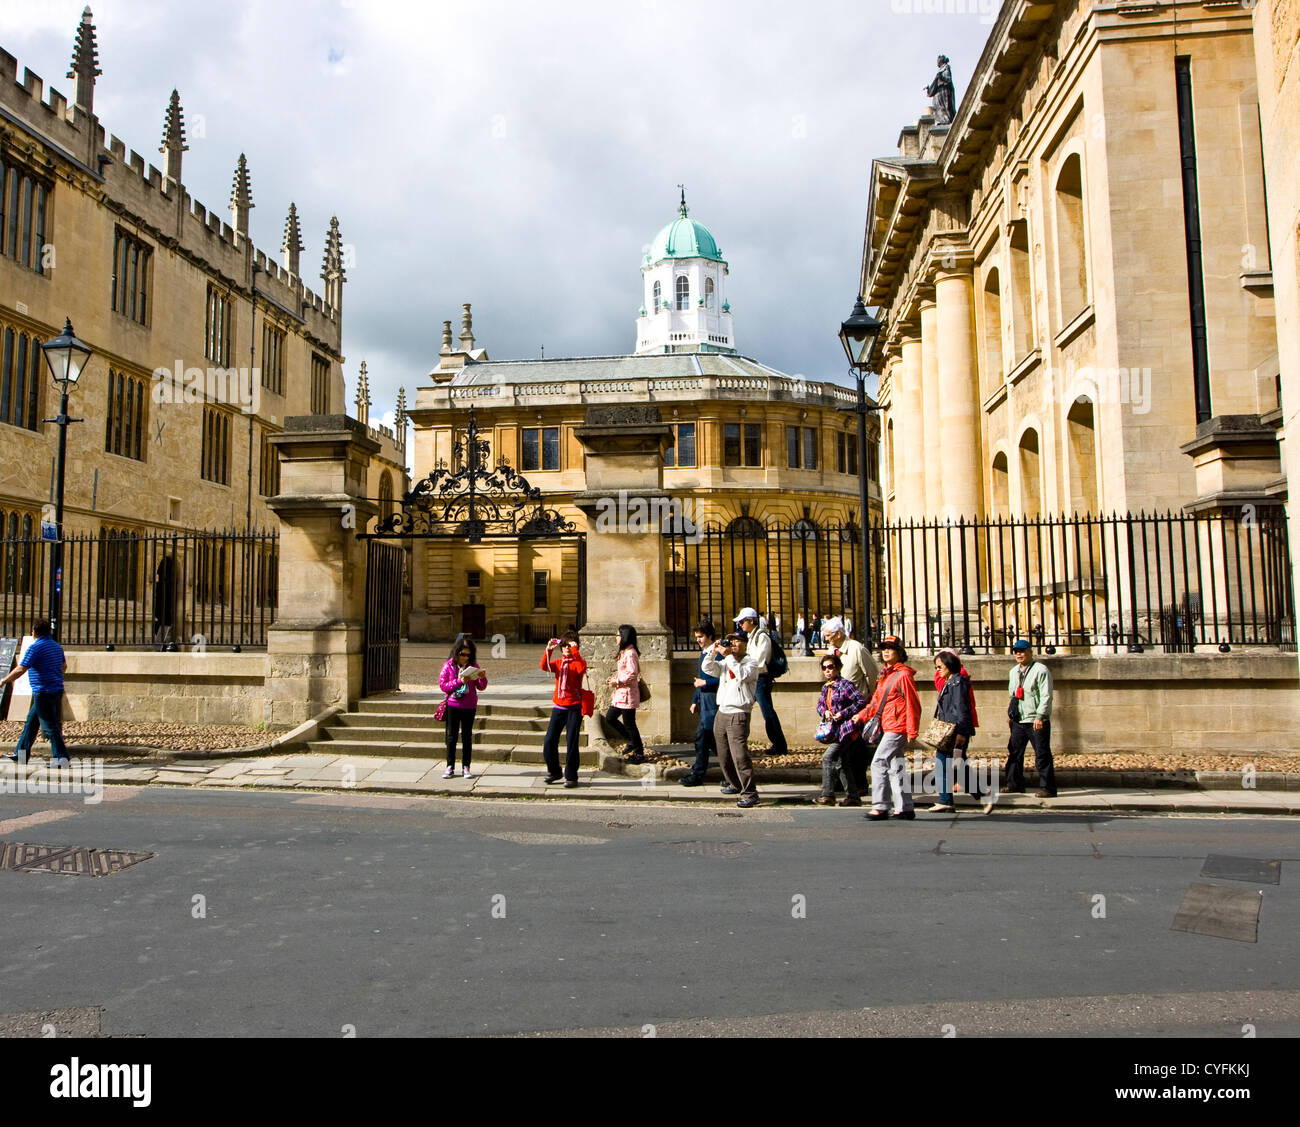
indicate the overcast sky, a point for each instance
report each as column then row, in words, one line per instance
column 522, row 156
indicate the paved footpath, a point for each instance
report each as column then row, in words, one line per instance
column 524, row 781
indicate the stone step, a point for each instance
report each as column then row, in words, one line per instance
column 506, row 722
column 498, row 732
column 394, row 707
column 493, row 752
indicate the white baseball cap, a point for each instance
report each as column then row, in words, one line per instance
column 746, row 612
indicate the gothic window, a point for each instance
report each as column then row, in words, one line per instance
column 683, row 293
column 320, row 385
column 20, row 380
column 125, row 422
column 24, row 202
column 130, row 291
column 272, row 358
column 385, row 495
column 216, row 337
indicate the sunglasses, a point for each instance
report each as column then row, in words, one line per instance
column 826, row 667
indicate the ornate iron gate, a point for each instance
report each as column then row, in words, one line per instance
column 383, row 652
column 469, row 505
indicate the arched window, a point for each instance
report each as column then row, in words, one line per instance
column 385, row 495
column 708, row 293
column 1001, row 486
column 1071, row 250
column 683, row 292
column 993, row 369
column 1031, row 488
column 1022, row 326
column 1080, row 428
column 658, row 296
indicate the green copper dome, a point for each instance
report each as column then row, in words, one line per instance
column 683, row 238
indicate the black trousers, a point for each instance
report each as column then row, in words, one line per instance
column 460, row 720
column 570, row 720
column 705, row 743
column 623, row 721
column 1022, row 734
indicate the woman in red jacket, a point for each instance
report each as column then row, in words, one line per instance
column 900, row 713
column 567, row 668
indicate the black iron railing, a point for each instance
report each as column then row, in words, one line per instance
column 155, row 590
column 1137, row 582
column 1168, row 582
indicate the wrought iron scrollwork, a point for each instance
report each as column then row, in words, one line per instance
column 475, row 501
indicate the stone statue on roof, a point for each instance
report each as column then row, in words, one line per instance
column 943, row 95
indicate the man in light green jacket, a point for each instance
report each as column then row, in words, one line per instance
column 1029, row 714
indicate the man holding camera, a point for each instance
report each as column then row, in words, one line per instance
column 737, row 674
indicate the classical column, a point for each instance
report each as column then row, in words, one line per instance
column 316, row 644
column 931, row 490
column 962, row 455
column 909, row 432
column 958, row 397
column 626, row 506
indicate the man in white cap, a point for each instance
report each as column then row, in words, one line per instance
column 760, row 649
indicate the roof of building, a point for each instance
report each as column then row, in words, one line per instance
column 648, row 366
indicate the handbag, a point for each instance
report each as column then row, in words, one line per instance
column 825, row 732
column 441, row 712
column 587, row 697
column 643, row 688
column 874, row 732
column 940, row 735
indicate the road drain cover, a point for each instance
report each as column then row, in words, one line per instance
column 711, row 848
column 69, row 860
column 1211, row 909
column 1242, row 868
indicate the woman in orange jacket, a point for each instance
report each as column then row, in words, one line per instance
column 900, row 715
column 567, row 667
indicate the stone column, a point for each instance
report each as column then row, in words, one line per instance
column 909, row 432
column 962, row 452
column 931, row 489
column 625, row 506
column 315, row 646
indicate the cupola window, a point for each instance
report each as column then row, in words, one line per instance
column 708, row 293
column 683, row 293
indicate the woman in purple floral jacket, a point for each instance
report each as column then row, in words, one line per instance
column 838, row 701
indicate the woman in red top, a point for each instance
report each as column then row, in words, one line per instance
column 900, row 715
column 567, row 667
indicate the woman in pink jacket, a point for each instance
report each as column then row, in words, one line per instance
column 462, row 685
column 627, row 695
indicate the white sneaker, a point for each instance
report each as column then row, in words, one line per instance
column 449, row 773
column 464, row 773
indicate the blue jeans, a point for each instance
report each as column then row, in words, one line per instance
column 46, row 713
column 947, row 771
column 771, row 721
column 705, row 743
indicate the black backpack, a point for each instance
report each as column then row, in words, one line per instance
column 778, row 665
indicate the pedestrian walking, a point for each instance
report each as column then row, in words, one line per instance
column 800, row 633
column 563, row 661
column 704, row 704
column 1029, row 716
column 738, row 673
column 837, row 704
column 848, row 625
column 956, row 705
column 45, row 664
column 759, row 646
column 816, row 625
column 856, row 667
column 899, row 708
column 462, row 680
column 625, row 681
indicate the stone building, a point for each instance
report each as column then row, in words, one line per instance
column 1077, row 281
column 203, row 345
column 753, row 454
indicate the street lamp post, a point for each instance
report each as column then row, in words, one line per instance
column 66, row 357
column 859, row 335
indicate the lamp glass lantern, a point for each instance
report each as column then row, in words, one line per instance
column 858, row 335
column 66, row 355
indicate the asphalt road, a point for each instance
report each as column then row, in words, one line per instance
column 302, row 915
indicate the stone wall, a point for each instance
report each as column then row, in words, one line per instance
column 1165, row 702
column 166, row 688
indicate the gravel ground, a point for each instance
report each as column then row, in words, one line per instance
column 145, row 739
